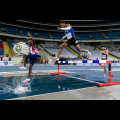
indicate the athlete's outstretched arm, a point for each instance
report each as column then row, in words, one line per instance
column 67, row 28
column 30, row 36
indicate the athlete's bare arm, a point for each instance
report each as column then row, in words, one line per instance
column 105, row 52
column 29, row 34
column 68, row 27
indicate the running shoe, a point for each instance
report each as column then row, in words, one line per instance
column 57, row 58
column 105, row 75
column 100, row 67
column 26, row 81
column 22, row 68
column 54, row 58
column 88, row 52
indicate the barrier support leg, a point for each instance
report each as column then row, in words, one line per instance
column 58, row 73
column 109, row 80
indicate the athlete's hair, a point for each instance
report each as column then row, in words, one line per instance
column 104, row 46
column 33, row 42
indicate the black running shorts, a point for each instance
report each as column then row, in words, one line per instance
column 72, row 41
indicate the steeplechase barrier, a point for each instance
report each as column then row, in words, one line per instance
column 110, row 83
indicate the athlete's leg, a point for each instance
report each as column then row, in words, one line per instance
column 105, row 68
column 30, row 71
column 32, row 61
column 60, row 49
column 100, row 65
column 80, row 50
column 25, row 57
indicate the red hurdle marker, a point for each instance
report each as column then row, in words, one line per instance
column 100, row 85
column 109, row 80
column 58, row 73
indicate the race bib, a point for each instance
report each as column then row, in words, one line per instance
column 69, row 36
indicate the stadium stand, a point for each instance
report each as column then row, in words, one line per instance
column 53, row 49
column 57, row 35
column 46, row 34
column 95, row 53
column 113, row 34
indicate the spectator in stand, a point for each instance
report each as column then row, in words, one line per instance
column 47, row 61
column 1, row 57
column 43, row 61
column 9, row 59
column 94, row 47
column 7, row 55
column 118, row 61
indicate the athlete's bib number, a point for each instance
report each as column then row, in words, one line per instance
column 104, row 56
column 69, row 36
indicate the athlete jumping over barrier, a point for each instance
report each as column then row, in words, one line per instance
column 69, row 34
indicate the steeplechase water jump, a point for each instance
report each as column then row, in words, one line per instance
column 57, row 61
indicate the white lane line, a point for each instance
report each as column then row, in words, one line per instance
column 81, row 79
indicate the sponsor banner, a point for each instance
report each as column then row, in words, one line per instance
column 6, row 63
column 96, row 64
column 115, row 64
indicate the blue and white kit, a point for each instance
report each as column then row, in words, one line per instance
column 69, row 34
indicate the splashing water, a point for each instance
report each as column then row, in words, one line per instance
column 16, row 86
column 21, row 90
